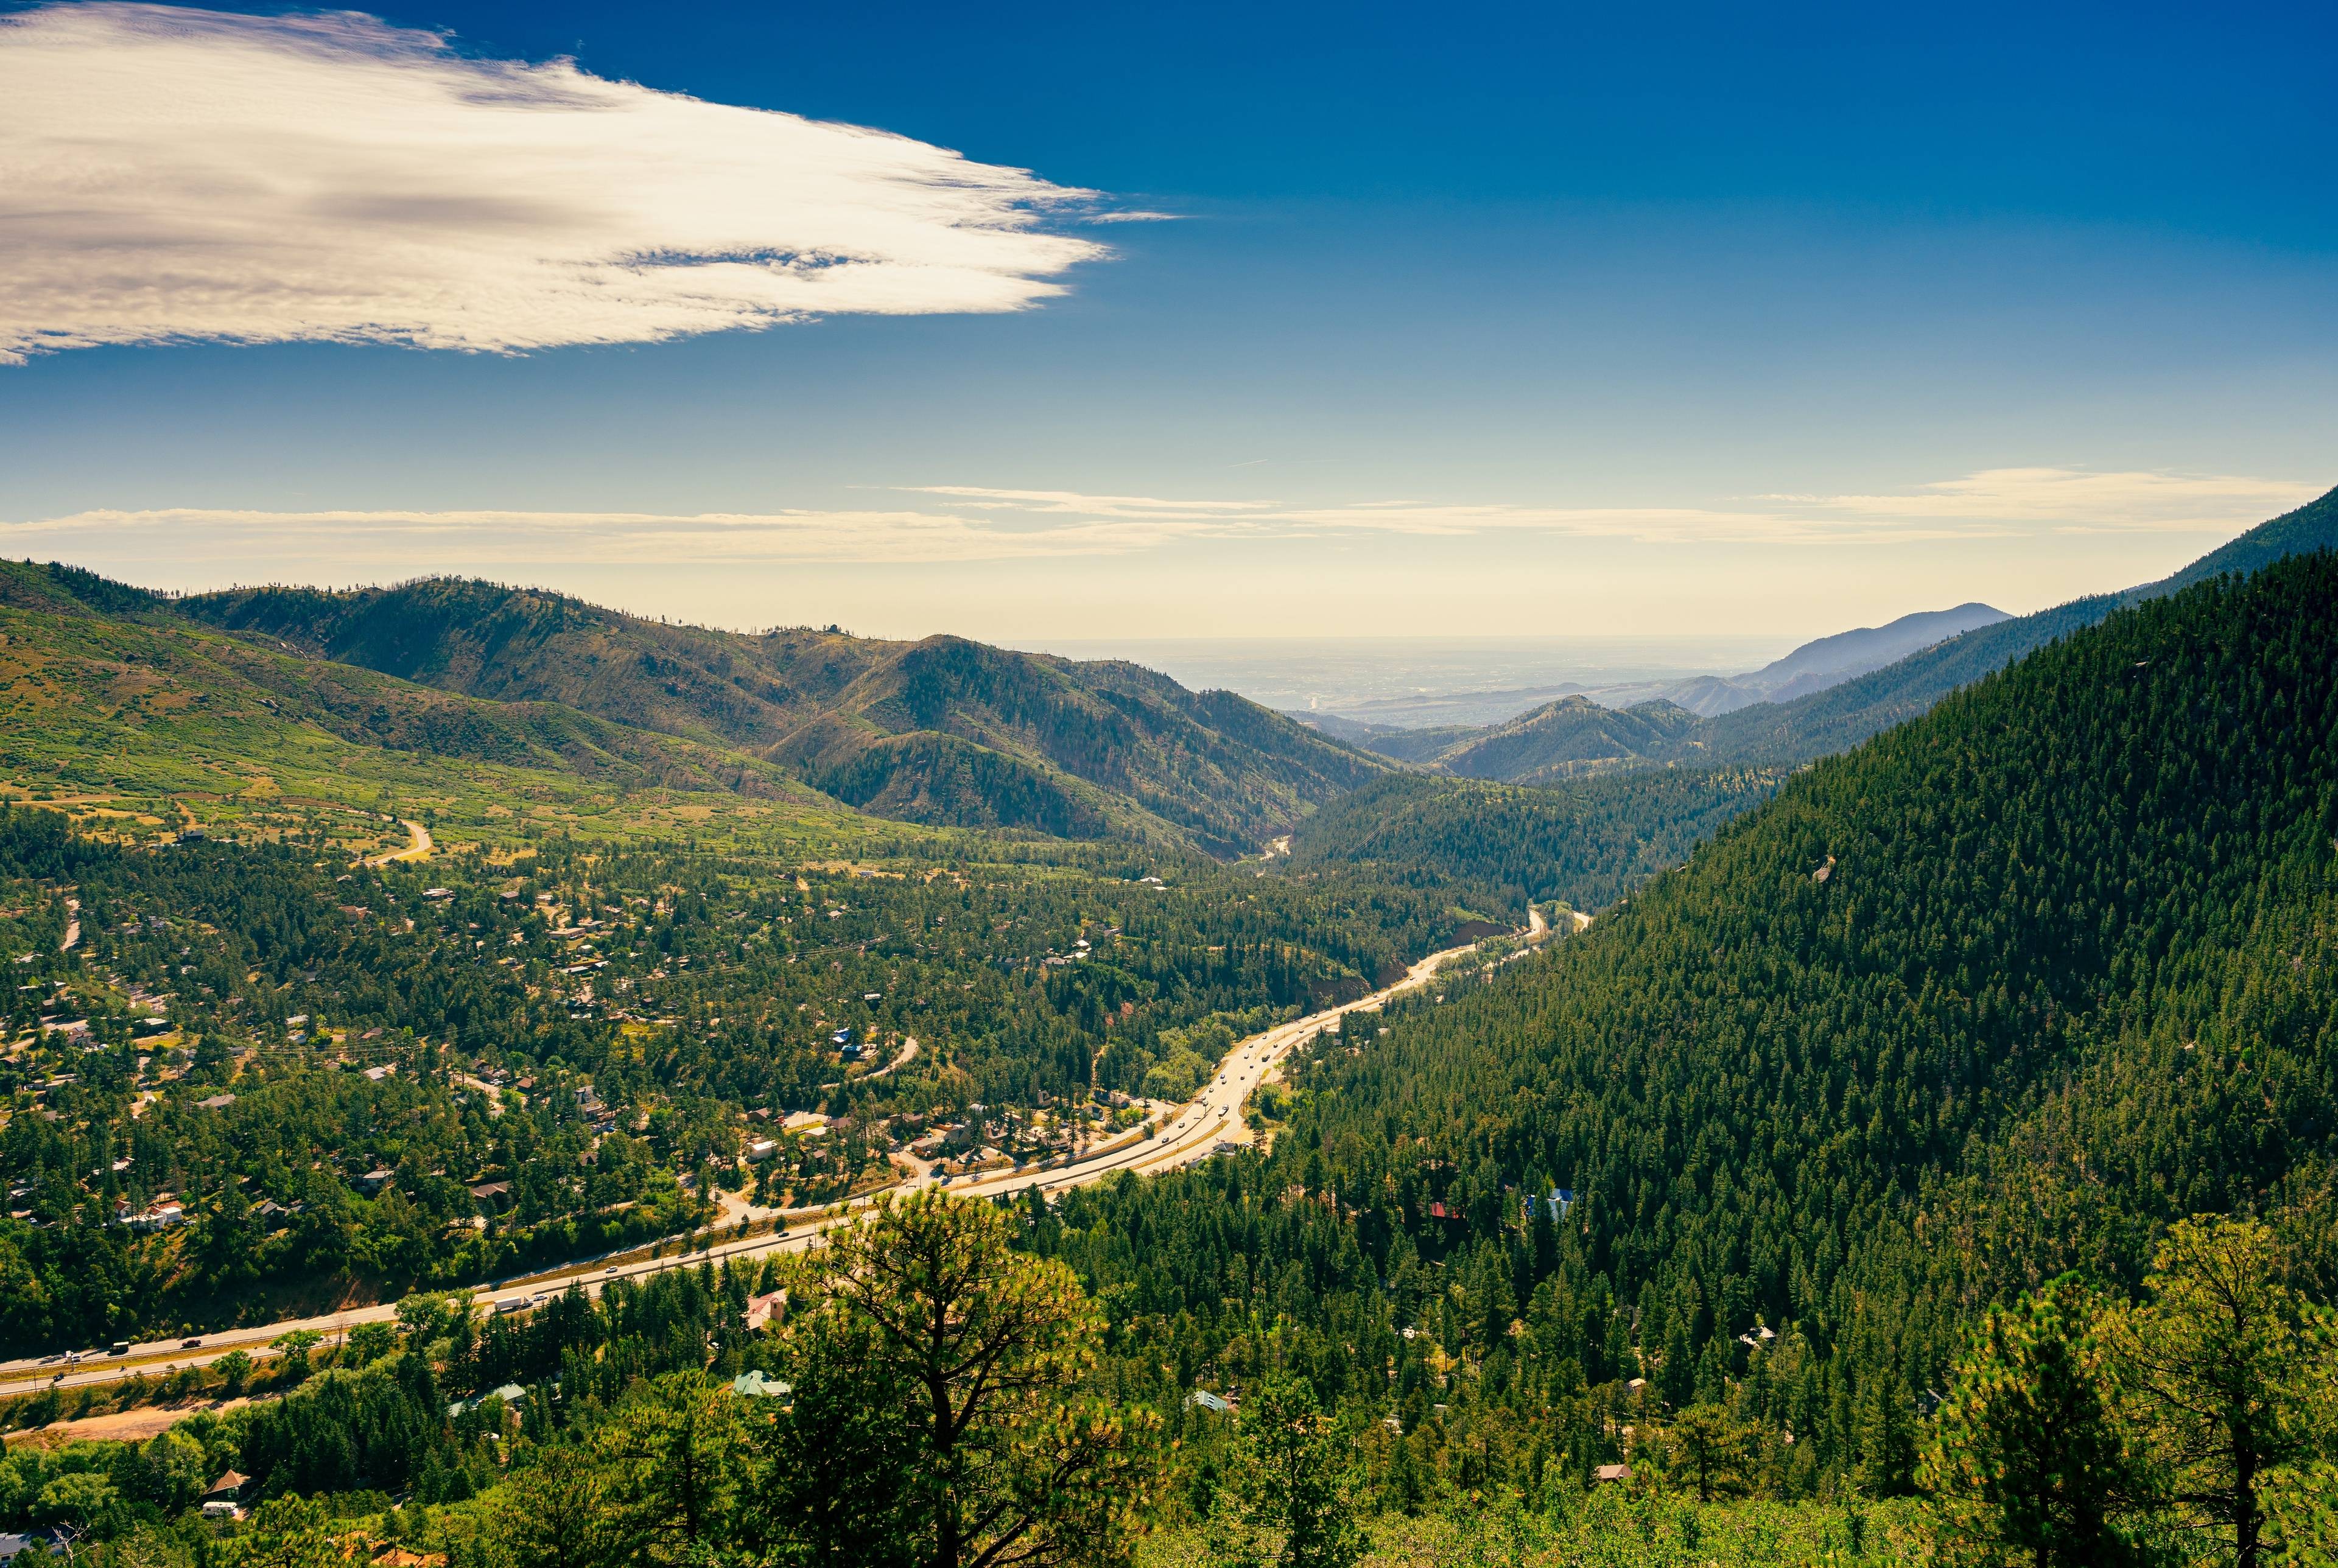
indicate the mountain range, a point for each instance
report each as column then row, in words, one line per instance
column 1813, row 667
column 1999, row 994
column 1832, row 661
column 1574, row 735
column 942, row 732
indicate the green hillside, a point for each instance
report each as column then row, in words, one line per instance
column 943, row 731
column 115, row 708
column 1586, row 843
column 2312, row 526
column 1998, row 993
column 1571, row 736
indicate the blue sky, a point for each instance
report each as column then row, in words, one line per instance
column 1502, row 321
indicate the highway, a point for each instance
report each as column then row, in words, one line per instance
column 1192, row 1133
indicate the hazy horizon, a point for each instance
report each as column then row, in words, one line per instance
column 1337, row 674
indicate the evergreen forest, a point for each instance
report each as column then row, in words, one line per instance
column 1923, row 1153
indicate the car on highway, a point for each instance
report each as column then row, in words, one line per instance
column 190, row 1344
column 121, row 1348
column 611, row 1268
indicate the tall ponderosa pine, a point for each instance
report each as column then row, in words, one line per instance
column 672, row 1456
column 2232, row 1372
column 1291, row 1499
column 2027, row 1460
column 989, row 1351
column 1708, row 1451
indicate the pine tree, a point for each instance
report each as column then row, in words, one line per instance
column 674, row 1458
column 1292, row 1501
column 993, row 1349
column 2026, row 1459
column 1887, row 1436
column 1709, row 1448
column 2233, row 1373
column 555, row 1511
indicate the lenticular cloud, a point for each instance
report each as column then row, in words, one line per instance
column 173, row 176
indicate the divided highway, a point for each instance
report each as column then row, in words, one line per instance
column 1192, row 1133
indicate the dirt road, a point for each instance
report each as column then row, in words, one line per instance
column 418, row 849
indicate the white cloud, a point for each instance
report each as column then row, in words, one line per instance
column 977, row 523
column 1996, row 502
column 1074, row 502
column 1261, row 519
column 410, row 543
column 174, row 175
column 2083, row 500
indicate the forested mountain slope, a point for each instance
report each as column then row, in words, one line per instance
column 1843, row 715
column 1420, row 745
column 2312, row 526
column 1828, row 662
column 1994, row 995
column 1586, row 842
column 1571, row 736
column 943, row 731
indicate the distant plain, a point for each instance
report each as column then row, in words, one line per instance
column 1422, row 681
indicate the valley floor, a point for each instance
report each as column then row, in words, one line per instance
column 1211, row 1122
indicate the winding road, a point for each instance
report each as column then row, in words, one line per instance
column 1199, row 1129
column 418, row 847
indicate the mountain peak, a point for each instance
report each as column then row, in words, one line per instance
column 1865, row 648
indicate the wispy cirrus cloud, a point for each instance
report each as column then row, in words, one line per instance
column 2080, row 500
column 1078, row 504
column 977, row 523
column 407, row 542
column 169, row 174
column 1274, row 519
column 1992, row 502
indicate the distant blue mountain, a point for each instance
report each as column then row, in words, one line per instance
column 1822, row 698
